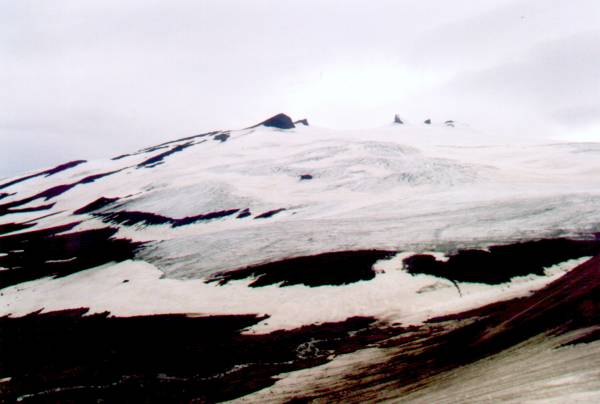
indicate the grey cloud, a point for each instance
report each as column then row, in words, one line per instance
column 556, row 76
column 89, row 79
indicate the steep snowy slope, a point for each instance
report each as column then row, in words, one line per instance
column 364, row 233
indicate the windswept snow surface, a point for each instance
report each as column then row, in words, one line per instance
column 224, row 201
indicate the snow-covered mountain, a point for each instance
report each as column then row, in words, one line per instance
column 409, row 262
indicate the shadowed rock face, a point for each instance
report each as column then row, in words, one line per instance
column 37, row 254
column 158, row 159
column 281, row 121
column 270, row 213
column 132, row 218
column 48, row 194
column 96, row 205
column 301, row 122
column 336, row 268
column 499, row 264
column 162, row 358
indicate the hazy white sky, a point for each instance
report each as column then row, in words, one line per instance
column 86, row 79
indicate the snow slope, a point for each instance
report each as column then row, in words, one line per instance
column 186, row 211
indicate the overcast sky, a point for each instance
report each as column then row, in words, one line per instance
column 88, row 79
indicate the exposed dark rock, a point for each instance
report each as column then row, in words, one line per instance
column 306, row 177
column 46, row 173
column 427, row 355
column 500, row 264
column 301, row 122
column 398, row 120
column 166, row 144
column 281, row 121
column 449, row 123
column 67, row 356
column 222, row 137
column 96, row 205
column 158, row 159
column 244, row 213
column 206, row 216
column 32, row 208
column 427, row 122
column 335, row 268
column 153, row 149
column 6, row 194
column 184, row 139
column 50, row 193
column 10, row 227
column 269, row 213
column 131, row 218
column 37, row 254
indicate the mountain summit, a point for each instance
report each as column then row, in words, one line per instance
column 367, row 265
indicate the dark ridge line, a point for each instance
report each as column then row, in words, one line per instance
column 158, row 159
column 501, row 263
column 279, row 121
column 53, row 192
column 164, row 145
column 333, row 268
column 6, row 194
column 244, row 213
column 95, row 205
column 11, row 227
column 270, row 213
column 305, row 177
column 47, row 173
column 73, row 252
column 68, row 356
column 131, row 218
column 183, row 139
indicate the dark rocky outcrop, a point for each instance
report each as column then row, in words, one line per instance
column 95, row 205
column 334, row 268
column 499, row 264
column 48, row 194
column 132, row 218
column 305, row 177
column 269, row 214
column 398, row 120
column 301, row 122
column 75, row 356
column 51, row 252
column 244, row 213
column 449, row 122
column 158, row 159
column 280, row 121
column 222, row 137
column 427, row 121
